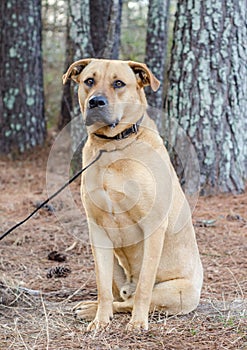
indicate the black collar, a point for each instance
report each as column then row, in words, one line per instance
column 124, row 134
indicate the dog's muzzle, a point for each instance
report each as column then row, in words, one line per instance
column 98, row 111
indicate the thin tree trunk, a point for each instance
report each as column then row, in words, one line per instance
column 113, row 31
column 105, row 27
column 22, row 98
column 156, row 52
column 66, row 102
column 99, row 14
column 208, row 89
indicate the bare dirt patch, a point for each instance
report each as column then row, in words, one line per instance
column 35, row 307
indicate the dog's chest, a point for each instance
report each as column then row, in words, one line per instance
column 119, row 187
column 124, row 193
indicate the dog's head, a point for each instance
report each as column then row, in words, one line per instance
column 111, row 91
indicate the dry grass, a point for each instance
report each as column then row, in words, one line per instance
column 42, row 324
column 35, row 312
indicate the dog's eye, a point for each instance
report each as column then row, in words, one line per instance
column 89, row 82
column 118, row 84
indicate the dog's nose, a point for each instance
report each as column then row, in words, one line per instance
column 97, row 101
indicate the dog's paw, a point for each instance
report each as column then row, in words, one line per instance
column 97, row 325
column 85, row 310
column 137, row 326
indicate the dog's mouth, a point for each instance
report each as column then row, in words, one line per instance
column 114, row 124
column 98, row 111
column 100, row 117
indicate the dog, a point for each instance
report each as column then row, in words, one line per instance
column 140, row 227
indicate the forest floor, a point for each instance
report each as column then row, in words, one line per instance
column 36, row 311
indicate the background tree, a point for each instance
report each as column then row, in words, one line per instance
column 208, row 89
column 105, row 29
column 156, row 51
column 22, row 103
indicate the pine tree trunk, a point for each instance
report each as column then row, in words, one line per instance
column 66, row 102
column 156, row 44
column 105, row 19
column 22, row 100
column 208, row 89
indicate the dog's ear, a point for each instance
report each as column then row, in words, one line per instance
column 75, row 69
column 144, row 76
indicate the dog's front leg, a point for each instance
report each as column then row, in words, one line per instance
column 103, row 258
column 153, row 246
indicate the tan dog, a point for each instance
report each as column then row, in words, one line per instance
column 143, row 241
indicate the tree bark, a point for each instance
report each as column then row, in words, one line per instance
column 156, row 44
column 208, row 89
column 105, row 28
column 66, row 102
column 22, row 99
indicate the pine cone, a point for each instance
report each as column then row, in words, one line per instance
column 58, row 271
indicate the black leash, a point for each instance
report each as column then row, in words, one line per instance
column 53, row 195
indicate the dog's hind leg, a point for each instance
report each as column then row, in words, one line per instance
column 178, row 296
column 174, row 297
